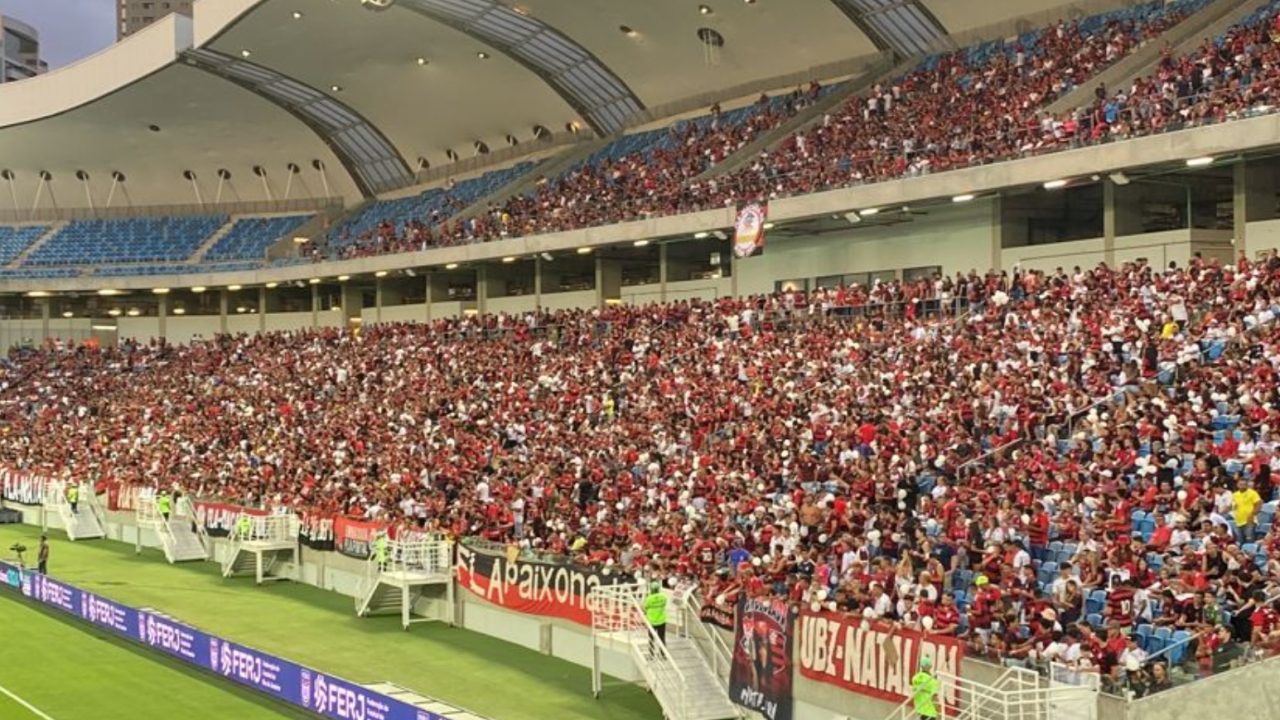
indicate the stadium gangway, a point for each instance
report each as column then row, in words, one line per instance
column 182, row 538
column 270, row 542
column 88, row 520
column 1017, row 694
column 676, row 671
column 402, row 579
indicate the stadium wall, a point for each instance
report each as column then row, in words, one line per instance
column 566, row 640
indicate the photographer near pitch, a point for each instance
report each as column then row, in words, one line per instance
column 42, row 558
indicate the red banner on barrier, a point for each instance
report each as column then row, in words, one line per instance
column 872, row 658
column 355, row 537
column 219, row 518
column 536, row 588
column 21, row 487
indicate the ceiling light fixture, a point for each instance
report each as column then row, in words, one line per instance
column 701, row 235
column 335, row 88
column 482, row 55
column 451, row 266
column 297, row 15
column 273, row 285
column 160, row 291
column 68, row 314
column 1055, row 184
column 314, row 281
column 134, row 312
column 343, row 278
column 584, row 251
column 114, row 312
column 107, row 292
column 422, row 61
column 1200, row 161
column 704, row 9
column 233, row 288
column 179, row 311
column 198, row 289
column 640, row 243
column 966, row 197
column 245, row 53
column 509, row 259
column 380, row 274
column 38, row 293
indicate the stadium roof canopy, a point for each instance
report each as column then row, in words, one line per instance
column 346, row 98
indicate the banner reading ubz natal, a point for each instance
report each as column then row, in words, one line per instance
column 760, row 679
column 872, row 658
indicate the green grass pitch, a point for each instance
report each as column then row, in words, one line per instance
column 298, row 622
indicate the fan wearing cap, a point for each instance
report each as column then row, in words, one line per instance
column 924, row 688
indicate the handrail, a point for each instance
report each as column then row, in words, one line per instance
column 189, row 508
column 720, row 652
column 666, row 663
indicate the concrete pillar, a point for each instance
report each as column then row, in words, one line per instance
column 45, row 310
column 426, row 287
column 315, row 306
column 608, row 281
column 352, row 303
column 537, row 282
column 1109, row 222
column 997, row 237
column 734, row 266
column 377, row 300
column 482, row 289
column 162, row 324
column 224, row 301
column 662, row 272
column 262, row 309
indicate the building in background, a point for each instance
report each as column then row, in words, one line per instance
column 133, row 15
column 19, row 51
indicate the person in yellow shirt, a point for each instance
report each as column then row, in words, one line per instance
column 1247, row 503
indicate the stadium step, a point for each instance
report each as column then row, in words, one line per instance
column 181, row 542
column 883, row 68
column 708, row 700
column 22, row 256
column 84, row 523
column 1184, row 37
column 197, row 257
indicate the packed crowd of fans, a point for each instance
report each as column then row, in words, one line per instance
column 1070, row 466
column 974, row 106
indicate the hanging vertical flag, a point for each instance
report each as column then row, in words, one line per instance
column 760, row 677
column 748, row 231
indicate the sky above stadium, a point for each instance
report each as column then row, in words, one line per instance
column 69, row 29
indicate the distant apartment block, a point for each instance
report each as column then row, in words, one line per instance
column 133, row 15
column 19, row 51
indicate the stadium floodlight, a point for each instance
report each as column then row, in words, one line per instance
column 1200, row 161
column 107, row 292
column 1055, row 184
column 962, row 198
column 160, row 291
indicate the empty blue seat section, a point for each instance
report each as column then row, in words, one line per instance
column 93, row 242
column 249, row 238
column 13, row 240
column 438, row 204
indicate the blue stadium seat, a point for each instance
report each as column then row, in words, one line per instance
column 95, row 242
column 249, row 238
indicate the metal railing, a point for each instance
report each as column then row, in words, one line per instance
column 616, row 611
column 720, row 654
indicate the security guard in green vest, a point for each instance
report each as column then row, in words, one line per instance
column 164, row 504
column 924, row 688
column 73, row 497
column 244, row 527
column 655, row 613
column 380, row 551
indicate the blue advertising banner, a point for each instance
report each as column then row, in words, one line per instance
column 322, row 694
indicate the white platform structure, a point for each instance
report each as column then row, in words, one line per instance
column 1018, row 694
column 181, row 536
column 687, row 684
column 411, row 567
column 85, row 523
column 270, row 544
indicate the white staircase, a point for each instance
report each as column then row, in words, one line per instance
column 397, row 584
column 85, row 523
column 182, row 538
column 1017, row 694
column 677, row 672
column 269, row 543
